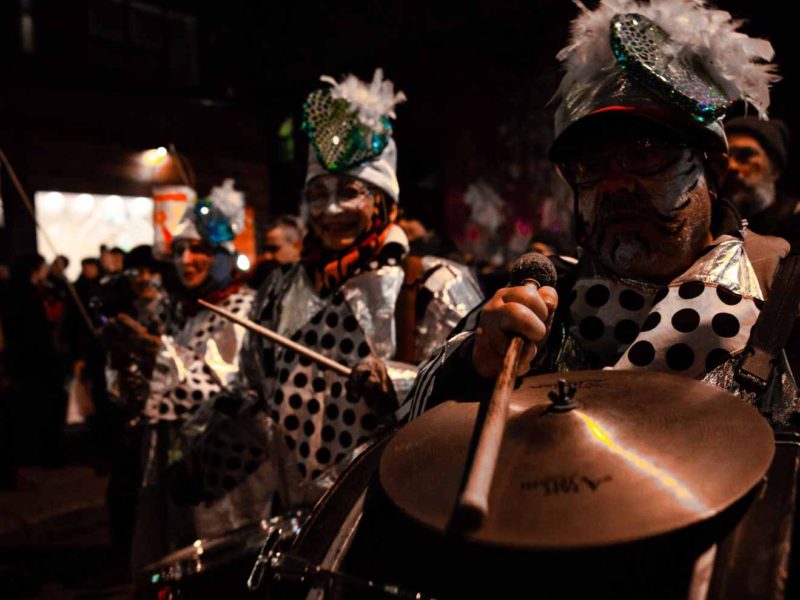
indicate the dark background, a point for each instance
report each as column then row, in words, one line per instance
column 89, row 83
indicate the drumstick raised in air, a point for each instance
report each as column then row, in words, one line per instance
column 473, row 503
column 279, row 339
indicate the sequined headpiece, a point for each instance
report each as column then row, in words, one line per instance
column 217, row 219
column 673, row 61
column 350, row 131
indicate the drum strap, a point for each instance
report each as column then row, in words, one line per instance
column 773, row 327
column 406, row 311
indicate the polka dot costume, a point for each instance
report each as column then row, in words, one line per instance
column 198, row 361
column 320, row 421
column 229, row 458
column 688, row 327
column 692, row 329
column 606, row 316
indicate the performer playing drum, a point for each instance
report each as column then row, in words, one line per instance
column 189, row 368
column 670, row 283
column 670, row 278
column 353, row 297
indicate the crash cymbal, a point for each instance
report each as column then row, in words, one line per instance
column 632, row 456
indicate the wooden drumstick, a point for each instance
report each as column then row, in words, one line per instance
column 473, row 503
column 279, row 339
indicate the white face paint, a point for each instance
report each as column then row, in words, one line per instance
column 340, row 209
column 647, row 225
column 665, row 192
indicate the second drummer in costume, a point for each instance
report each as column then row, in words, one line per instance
column 670, row 279
column 349, row 297
column 190, row 367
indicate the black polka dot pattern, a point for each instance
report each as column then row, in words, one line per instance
column 691, row 289
column 606, row 316
column 597, row 295
column 680, row 357
column 631, row 300
column 725, row 325
column 642, row 354
column 626, row 331
column 591, row 328
column 696, row 328
column 686, row 320
column 316, row 413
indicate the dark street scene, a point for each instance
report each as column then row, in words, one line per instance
column 497, row 299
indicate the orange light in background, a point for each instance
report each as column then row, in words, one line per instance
column 155, row 157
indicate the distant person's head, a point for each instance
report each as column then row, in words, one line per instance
column 413, row 228
column 143, row 271
column 59, row 266
column 283, row 240
column 203, row 250
column 757, row 155
column 29, row 269
column 90, row 269
column 117, row 260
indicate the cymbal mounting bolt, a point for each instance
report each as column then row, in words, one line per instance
column 564, row 399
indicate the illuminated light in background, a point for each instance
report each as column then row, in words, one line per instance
column 80, row 222
column 82, row 203
column 204, row 210
column 53, row 202
column 155, row 157
column 114, row 208
column 242, row 263
column 141, row 206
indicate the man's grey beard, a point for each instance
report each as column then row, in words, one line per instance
column 752, row 201
column 629, row 252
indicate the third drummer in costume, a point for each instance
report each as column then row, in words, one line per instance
column 670, row 279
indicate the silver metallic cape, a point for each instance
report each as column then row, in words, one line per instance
column 455, row 291
column 372, row 297
column 727, row 265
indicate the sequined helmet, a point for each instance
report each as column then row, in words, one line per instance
column 350, row 131
column 674, row 62
column 216, row 219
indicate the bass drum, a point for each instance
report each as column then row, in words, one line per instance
column 357, row 532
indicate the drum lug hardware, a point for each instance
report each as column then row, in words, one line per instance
column 265, row 557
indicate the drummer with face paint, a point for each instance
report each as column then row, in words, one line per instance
column 354, row 297
column 670, row 278
column 190, row 368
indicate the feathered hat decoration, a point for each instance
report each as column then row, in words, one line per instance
column 218, row 218
column 349, row 123
column 691, row 57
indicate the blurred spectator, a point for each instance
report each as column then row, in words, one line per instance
column 283, row 244
column 39, row 391
column 111, row 260
column 90, row 270
column 426, row 242
column 117, row 259
column 128, row 379
column 58, row 268
column 551, row 243
column 758, row 154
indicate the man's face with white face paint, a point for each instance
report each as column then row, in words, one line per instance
column 643, row 200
